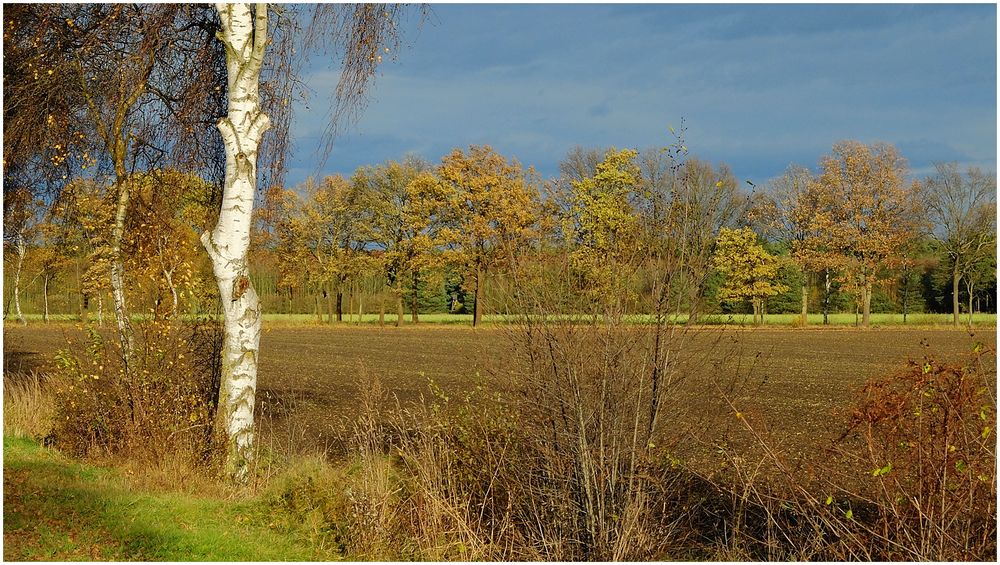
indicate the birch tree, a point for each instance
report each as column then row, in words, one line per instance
column 118, row 88
column 244, row 35
column 19, row 226
column 365, row 32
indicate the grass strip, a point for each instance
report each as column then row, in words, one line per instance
column 55, row 509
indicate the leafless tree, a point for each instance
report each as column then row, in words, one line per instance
column 962, row 208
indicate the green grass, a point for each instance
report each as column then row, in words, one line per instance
column 837, row 319
column 848, row 319
column 55, row 509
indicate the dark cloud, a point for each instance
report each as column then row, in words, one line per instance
column 760, row 87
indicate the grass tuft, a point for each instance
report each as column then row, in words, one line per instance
column 28, row 406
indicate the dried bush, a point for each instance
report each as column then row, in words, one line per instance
column 924, row 442
column 912, row 476
column 161, row 405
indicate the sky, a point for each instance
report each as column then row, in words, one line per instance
column 758, row 87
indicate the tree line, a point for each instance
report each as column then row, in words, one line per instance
column 411, row 236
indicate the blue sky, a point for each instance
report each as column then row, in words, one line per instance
column 758, row 87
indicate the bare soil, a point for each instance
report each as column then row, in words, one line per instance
column 800, row 381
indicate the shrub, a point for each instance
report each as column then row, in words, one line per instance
column 163, row 404
column 926, row 446
column 912, row 477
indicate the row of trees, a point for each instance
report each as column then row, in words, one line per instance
column 856, row 225
column 858, row 222
column 397, row 232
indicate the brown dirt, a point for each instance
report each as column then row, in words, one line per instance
column 310, row 377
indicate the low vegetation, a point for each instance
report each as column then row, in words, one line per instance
column 908, row 472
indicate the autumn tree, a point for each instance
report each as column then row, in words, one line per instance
column 50, row 258
column 135, row 83
column 702, row 200
column 601, row 227
column 491, row 212
column 788, row 209
column 401, row 216
column 361, row 33
column 318, row 239
column 81, row 222
column 979, row 273
column 962, row 210
column 149, row 82
column 867, row 214
column 168, row 210
column 749, row 269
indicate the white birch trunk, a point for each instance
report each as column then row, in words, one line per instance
column 168, row 276
column 244, row 35
column 118, row 275
column 21, row 250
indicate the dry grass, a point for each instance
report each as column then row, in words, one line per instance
column 29, row 406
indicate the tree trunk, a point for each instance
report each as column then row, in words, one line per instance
column 360, row 308
column 340, row 305
column 866, row 298
column 329, row 306
column 755, row 303
column 45, row 298
column 100, row 309
column 956, row 276
column 245, row 38
column 906, row 294
column 21, row 249
column 118, row 270
column 826, row 297
column 350, row 304
column 319, row 311
column 969, row 287
column 414, row 314
column 381, row 311
column 85, row 308
column 804, row 319
column 168, row 276
column 399, row 308
column 477, row 307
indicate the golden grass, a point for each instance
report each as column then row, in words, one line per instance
column 28, row 405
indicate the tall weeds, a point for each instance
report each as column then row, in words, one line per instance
column 29, row 409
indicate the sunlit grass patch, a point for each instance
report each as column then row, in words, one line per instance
column 56, row 509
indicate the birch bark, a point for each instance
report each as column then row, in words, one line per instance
column 21, row 250
column 244, row 34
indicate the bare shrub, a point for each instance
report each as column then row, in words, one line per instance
column 912, row 476
column 923, row 441
column 162, row 406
